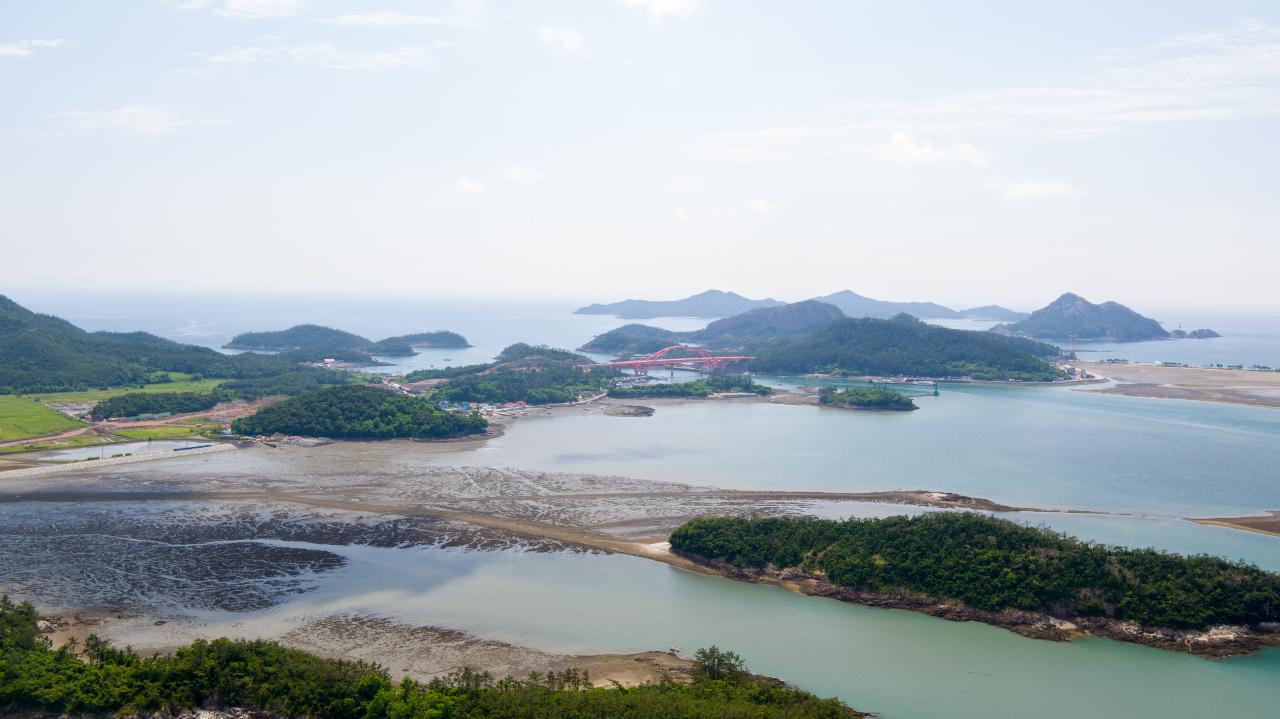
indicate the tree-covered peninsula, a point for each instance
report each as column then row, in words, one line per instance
column 265, row 679
column 533, row 374
column 43, row 354
column 359, row 412
column 702, row 387
column 866, row 398
column 996, row 566
column 906, row 346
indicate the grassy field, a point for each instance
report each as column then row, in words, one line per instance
column 177, row 431
column 95, row 395
column 20, row 417
column 36, row 445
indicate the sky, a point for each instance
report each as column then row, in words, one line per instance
column 963, row 153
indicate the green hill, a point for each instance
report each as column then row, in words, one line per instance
column 1072, row 315
column 358, row 412
column 42, row 353
column 748, row 329
column 311, row 343
column 907, row 346
column 993, row 564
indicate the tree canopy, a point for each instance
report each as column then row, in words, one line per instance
column 866, row 398
column 358, row 412
column 906, row 346
column 99, row 679
column 994, row 564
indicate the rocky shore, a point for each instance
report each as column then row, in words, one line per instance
column 1215, row 642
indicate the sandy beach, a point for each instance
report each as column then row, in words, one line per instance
column 1232, row 386
column 1269, row 524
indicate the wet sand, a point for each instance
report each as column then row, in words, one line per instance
column 1262, row 525
column 1231, row 386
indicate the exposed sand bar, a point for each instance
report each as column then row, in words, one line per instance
column 1231, row 386
column 1269, row 524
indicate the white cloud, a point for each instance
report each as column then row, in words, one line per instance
column 462, row 191
column 517, row 174
column 27, row 48
column 246, row 9
column 1033, row 190
column 322, row 54
column 564, row 40
column 659, row 10
column 142, row 120
column 903, row 149
column 388, row 18
column 753, row 209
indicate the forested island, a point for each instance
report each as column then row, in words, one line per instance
column 1073, row 316
column 969, row 566
column 702, row 387
column 359, row 412
column 312, row 343
column 521, row 373
column 876, row 398
column 750, row 329
column 97, row 679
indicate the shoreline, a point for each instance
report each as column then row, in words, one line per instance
column 1213, row 643
column 1254, row 388
column 1268, row 524
column 420, row 652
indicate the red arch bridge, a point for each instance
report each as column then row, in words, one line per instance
column 701, row 360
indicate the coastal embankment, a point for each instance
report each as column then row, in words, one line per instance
column 64, row 467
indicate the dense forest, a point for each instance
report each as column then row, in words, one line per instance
column 633, row 339
column 134, row 404
column 100, row 680
column 549, row 384
column 358, row 412
column 995, row 564
column 701, row 387
column 866, row 398
column 443, row 339
column 752, row 329
column 312, row 343
column 906, row 346
column 41, row 354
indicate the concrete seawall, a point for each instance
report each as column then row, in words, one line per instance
column 110, row 461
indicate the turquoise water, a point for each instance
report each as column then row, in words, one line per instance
column 899, row 664
column 1035, row 447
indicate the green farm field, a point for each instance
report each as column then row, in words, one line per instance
column 23, row 417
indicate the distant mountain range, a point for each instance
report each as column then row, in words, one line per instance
column 853, row 304
column 712, row 303
column 715, row 303
column 1073, row 316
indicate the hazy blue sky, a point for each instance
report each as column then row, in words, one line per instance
column 958, row 152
